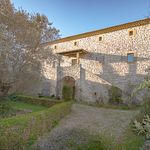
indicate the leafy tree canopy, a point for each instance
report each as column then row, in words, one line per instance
column 21, row 35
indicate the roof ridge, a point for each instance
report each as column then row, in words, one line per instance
column 102, row 31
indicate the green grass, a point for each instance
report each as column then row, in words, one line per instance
column 93, row 145
column 132, row 141
column 96, row 143
column 34, row 100
column 21, row 132
column 21, row 105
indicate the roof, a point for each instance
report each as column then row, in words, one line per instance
column 102, row 31
column 73, row 52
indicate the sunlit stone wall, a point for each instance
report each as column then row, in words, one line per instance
column 106, row 62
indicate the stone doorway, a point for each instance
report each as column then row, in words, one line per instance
column 68, row 87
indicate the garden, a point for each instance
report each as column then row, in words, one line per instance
column 24, row 119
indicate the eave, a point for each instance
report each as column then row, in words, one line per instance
column 73, row 53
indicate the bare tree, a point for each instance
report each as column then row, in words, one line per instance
column 21, row 53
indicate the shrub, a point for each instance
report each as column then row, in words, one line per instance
column 13, row 96
column 145, row 110
column 37, row 101
column 143, row 127
column 115, row 95
column 20, row 132
column 5, row 109
column 144, row 85
column 67, row 93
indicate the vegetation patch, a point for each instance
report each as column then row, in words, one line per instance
column 26, row 106
column 131, row 141
column 97, row 143
column 21, row 132
column 10, row 108
column 37, row 101
column 142, row 123
column 5, row 109
column 145, row 109
column 67, row 93
column 115, row 95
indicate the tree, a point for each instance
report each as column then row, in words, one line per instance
column 21, row 53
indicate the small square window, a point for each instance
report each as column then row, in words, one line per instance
column 75, row 43
column 100, row 38
column 74, row 62
column 130, row 57
column 55, row 47
column 131, row 33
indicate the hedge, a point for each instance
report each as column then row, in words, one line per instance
column 19, row 133
column 37, row 101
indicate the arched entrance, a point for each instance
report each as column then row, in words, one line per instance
column 68, row 88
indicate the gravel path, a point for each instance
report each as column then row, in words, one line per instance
column 72, row 130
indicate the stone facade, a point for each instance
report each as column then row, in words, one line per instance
column 104, row 60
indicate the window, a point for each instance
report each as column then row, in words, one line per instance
column 75, row 43
column 53, row 64
column 130, row 57
column 55, row 47
column 74, row 62
column 100, row 38
column 131, row 32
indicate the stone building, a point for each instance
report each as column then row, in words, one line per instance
column 92, row 62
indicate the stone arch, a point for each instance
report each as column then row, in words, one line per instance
column 70, row 82
column 73, row 71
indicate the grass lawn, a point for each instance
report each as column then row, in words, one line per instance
column 21, row 105
column 132, row 141
column 20, row 132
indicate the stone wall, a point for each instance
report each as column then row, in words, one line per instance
column 106, row 63
column 49, row 78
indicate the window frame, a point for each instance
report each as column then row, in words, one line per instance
column 133, row 32
column 100, row 38
column 130, row 54
column 55, row 47
column 75, row 60
column 75, row 43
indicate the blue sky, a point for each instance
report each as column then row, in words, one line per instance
column 78, row 16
